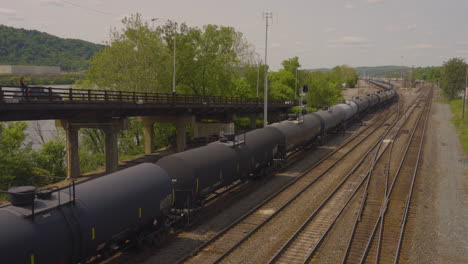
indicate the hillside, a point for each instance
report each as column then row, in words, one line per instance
column 381, row 71
column 31, row 47
column 376, row 71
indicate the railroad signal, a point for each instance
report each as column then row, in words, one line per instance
column 303, row 103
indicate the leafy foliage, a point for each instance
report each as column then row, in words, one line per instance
column 51, row 158
column 453, row 77
column 20, row 164
column 324, row 89
column 140, row 58
column 12, row 80
column 31, row 47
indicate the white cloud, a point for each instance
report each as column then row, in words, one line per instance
column 329, row 30
column 56, row 3
column 7, row 12
column 422, row 46
column 374, row 1
column 350, row 41
column 275, row 45
column 411, row 27
column 349, row 6
column 392, row 28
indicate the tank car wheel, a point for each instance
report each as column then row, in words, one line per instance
column 153, row 240
column 140, row 240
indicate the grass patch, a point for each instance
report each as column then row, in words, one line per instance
column 461, row 125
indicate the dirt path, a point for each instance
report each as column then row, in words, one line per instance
column 439, row 232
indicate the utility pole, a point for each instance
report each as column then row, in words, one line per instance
column 174, row 59
column 259, row 63
column 295, row 87
column 267, row 16
column 464, row 94
column 401, row 73
column 174, row 63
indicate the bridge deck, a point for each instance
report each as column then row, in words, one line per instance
column 39, row 103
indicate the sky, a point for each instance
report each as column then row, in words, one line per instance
column 322, row 33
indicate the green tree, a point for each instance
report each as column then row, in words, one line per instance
column 345, row 74
column 281, row 84
column 291, row 64
column 324, row 89
column 16, row 166
column 453, row 77
column 135, row 60
column 51, row 158
column 131, row 139
column 253, row 73
column 211, row 60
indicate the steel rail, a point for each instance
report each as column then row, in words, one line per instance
column 310, row 218
column 364, row 198
column 383, row 210
column 275, row 194
column 387, row 175
column 408, row 201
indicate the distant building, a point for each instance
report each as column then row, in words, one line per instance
column 22, row 69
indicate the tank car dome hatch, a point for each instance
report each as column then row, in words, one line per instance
column 46, row 194
column 21, row 195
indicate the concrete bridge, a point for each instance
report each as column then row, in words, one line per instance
column 108, row 110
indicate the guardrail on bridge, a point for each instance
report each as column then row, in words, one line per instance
column 38, row 94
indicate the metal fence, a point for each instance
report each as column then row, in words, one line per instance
column 37, row 94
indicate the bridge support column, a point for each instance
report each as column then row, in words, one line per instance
column 148, row 133
column 181, row 130
column 253, row 121
column 111, row 148
column 73, row 160
column 180, row 122
column 111, row 130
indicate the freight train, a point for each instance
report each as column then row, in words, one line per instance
column 94, row 219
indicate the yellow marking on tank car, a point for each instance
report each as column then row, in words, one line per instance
column 33, row 259
column 140, row 212
column 93, row 233
column 198, row 185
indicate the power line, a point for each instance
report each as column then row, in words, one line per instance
column 87, row 8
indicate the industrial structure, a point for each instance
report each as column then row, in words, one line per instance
column 25, row 69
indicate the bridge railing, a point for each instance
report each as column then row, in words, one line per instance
column 38, row 94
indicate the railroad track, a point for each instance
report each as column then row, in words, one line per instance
column 399, row 200
column 229, row 239
column 301, row 247
column 371, row 206
column 379, row 225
